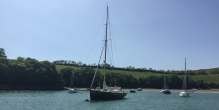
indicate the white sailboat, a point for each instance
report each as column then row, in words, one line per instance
column 72, row 89
column 162, row 90
column 184, row 92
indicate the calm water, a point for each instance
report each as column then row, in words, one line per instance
column 62, row 100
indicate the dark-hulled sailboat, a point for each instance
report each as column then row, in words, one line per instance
column 107, row 92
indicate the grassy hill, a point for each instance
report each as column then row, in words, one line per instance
column 209, row 78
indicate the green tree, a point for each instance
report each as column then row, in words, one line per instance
column 201, row 71
column 215, row 71
column 73, row 62
column 20, row 58
column 192, row 84
column 200, row 84
column 79, row 63
column 2, row 53
column 142, row 82
column 66, row 74
column 155, row 81
column 4, row 68
column 173, row 81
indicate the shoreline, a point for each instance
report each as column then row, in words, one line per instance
column 158, row 90
column 47, row 87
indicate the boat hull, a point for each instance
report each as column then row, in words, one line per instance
column 166, row 92
column 106, row 95
column 73, row 91
column 184, row 94
column 139, row 89
column 132, row 91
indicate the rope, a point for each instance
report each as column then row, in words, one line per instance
column 94, row 39
column 95, row 71
column 111, row 31
column 96, row 68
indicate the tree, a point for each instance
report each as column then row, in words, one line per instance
column 173, row 81
column 66, row 74
column 2, row 53
column 62, row 62
column 86, row 74
column 201, row 71
column 20, row 58
column 215, row 71
column 212, row 85
column 192, row 84
column 84, row 64
column 79, row 63
column 73, row 62
column 69, row 61
column 200, row 84
column 66, row 61
column 150, row 69
column 142, row 81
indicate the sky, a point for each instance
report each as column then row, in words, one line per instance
column 155, row 34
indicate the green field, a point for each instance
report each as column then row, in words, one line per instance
column 207, row 78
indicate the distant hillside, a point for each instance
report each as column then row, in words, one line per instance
column 207, row 75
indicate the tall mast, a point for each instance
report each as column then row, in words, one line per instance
column 105, row 45
column 73, row 76
column 164, row 80
column 185, row 75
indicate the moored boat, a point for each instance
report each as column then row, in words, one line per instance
column 139, row 89
column 165, row 90
column 107, row 92
column 194, row 89
column 72, row 89
column 184, row 92
column 132, row 91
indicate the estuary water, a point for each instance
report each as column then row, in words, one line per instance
column 141, row 100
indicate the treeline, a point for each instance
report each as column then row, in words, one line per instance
column 131, row 68
column 31, row 72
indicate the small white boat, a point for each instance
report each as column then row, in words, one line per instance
column 72, row 90
column 194, row 89
column 184, row 93
column 139, row 89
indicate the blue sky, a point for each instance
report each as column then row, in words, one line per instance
column 156, row 34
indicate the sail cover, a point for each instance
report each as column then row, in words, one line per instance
column 105, row 87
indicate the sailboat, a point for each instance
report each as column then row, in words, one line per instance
column 72, row 88
column 165, row 90
column 164, row 85
column 184, row 92
column 107, row 92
